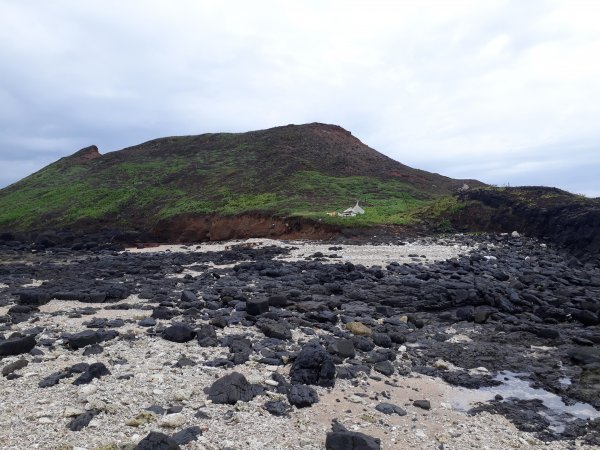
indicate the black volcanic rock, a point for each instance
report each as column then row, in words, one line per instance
column 207, row 336
column 178, row 332
column 16, row 345
column 313, row 365
column 95, row 370
column 233, row 388
column 302, row 396
column 157, row 441
column 351, row 440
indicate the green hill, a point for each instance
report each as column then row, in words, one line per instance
column 295, row 170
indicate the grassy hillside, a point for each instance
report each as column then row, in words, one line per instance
column 288, row 171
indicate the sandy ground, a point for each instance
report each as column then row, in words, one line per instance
column 368, row 255
column 36, row 418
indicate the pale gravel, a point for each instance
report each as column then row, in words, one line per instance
column 26, row 408
column 33, row 418
column 367, row 255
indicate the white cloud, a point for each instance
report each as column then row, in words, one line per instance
column 439, row 85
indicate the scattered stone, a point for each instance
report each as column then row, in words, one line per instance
column 233, row 388
column 423, row 404
column 278, row 408
column 389, row 408
column 343, row 348
column 358, row 329
column 16, row 345
column 350, row 440
column 141, row 419
column 257, row 306
column 178, row 332
column 187, row 435
column 384, row 368
column 313, row 365
column 278, row 330
column 172, row 420
column 157, row 441
column 14, row 366
column 302, row 396
column 207, row 336
column 95, row 370
column 82, row 420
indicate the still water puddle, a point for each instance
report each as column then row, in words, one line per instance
column 513, row 386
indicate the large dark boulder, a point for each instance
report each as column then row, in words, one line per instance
column 34, row 297
column 257, row 306
column 275, row 329
column 350, row 440
column 302, row 396
column 17, row 345
column 81, row 421
column 89, row 337
column 187, row 435
column 343, row 348
column 95, row 370
column 157, row 441
column 240, row 349
column 233, row 388
column 207, row 336
column 178, row 332
column 188, row 296
column 313, row 365
column 585, row 355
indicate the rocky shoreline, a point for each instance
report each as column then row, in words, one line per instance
column 456, row 342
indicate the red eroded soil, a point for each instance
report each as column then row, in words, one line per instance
column 243, row 226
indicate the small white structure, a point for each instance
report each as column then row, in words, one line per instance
column 351, row 212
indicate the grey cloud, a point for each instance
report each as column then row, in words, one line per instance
column 465, row 88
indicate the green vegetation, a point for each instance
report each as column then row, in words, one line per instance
column 313, row 194
column 130, row 189
column 223, row 174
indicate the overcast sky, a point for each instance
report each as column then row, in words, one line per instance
column 504, row 91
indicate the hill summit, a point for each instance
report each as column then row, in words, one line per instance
column 302, row 171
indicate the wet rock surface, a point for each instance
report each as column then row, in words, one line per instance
column 246, row 333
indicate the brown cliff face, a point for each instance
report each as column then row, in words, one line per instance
column 565, row 219
column 193, row 228
column 85, row 154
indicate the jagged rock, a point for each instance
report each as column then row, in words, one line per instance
column 14, row 366
column 187, row 435
column 257, row 306
column 207, row 336
column 16, row 345
column 384, row 367
column 95, row 370
column 389, row 408
column 233, row 388
column 188, row 296
column 423, row 404
column 343, row 348
column 302, row 396
column 178, row 332
column 240, row 349
column 157, row 441
column 313, row 365
column 82, row 420
column 350, row 440
column 278, row 330
column 89, row 337
column 278, row 408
